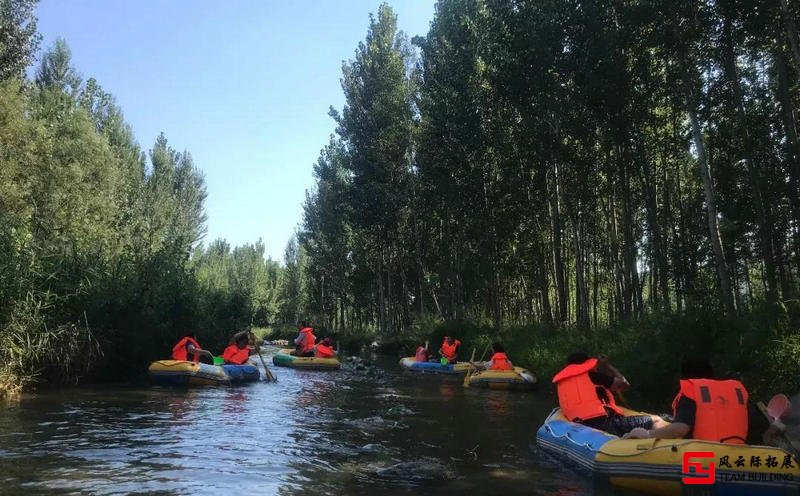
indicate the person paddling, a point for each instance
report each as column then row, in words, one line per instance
column 449, row 349
column 704, row 408
column 499, row 360
column 188, row 347
column 325, row 349
column 304, row 342
column 586, row 395
column 238, row 352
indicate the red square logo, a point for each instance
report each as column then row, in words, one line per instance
column 699, row 475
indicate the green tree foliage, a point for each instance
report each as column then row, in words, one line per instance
column 18, row 37
column 570, row 163
column 100, row 264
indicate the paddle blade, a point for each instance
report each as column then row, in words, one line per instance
column 778, row 406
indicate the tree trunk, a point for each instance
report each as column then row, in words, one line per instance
column 765, row 222
column 791, row 31
column 558, row 262
column 723, row 275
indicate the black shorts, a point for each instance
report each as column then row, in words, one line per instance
column 619, row 425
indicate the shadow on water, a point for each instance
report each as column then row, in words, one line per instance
column 373, row 431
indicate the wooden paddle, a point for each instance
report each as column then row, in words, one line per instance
column 469, row 371
column 270, row 377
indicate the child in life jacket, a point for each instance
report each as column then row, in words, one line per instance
column 449, row 349
column 304, row 342
column 586, row 389
column 704, row 408
column 499, row 359
column 238, row 352
column 189, row 349
column 325, row 349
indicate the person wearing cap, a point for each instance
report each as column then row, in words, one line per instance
column 324, row 349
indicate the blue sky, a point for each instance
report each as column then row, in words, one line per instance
column 244, row 86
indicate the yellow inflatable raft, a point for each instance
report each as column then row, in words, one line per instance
column 284, row 358
column 518, row 378
column 656, row 466
column 183, row 373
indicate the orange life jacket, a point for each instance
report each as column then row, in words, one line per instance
column 449, row 350
column 233, row 354
column 179, row 350
column 500, row 362
column 721, row 409
column 308, row 342
column 577, row 394
column 323, row 351
column 421, row 355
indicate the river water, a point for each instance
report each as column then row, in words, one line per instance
column 311, row 433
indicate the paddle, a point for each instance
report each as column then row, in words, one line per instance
column 469, row 371
column 270, row 377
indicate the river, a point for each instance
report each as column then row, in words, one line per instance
column 336, row 433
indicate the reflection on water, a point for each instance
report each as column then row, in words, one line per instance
column 349, row 432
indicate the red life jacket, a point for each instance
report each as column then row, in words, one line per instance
column 322, row 351
column 309, row 339
column 577, row 394
column 500, row 362
column 421, row 355
column 449, row 350
column 179, row 350
column 236, row 356
column 721, row 409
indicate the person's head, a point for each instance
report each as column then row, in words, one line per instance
column 326, row 342
column 303, row 324
column 577, row 358
column 696, row 368
column 498, row 348
column 241, row 341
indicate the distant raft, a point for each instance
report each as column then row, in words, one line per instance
column 284, row 358
column 657, row 466
column 183, row 373
column 518, row 379
column 411, row 363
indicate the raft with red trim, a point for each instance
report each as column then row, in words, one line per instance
column 655, row 466
column 184, row 373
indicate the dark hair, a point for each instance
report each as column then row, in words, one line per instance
column 240, row 337
column 303, row 324
column 696, row 368
column 577, row 358
column 498, row 348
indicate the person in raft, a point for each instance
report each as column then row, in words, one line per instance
column 238, row 352
column 449, row 349
column 324, row 349
column 189, row 347
column 422, row 353
column 304, row 342
column 704, row 408
column 499, row 360
column 585, row 396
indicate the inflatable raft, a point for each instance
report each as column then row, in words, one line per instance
column 655, row 466
column 411, row 363
column 284, row 359
column 518, row 378
column 183, row 373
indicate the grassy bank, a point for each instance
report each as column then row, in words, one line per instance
column 762, row 349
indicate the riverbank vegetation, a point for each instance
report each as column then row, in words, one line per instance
column 101, row 266
column 617, row 176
